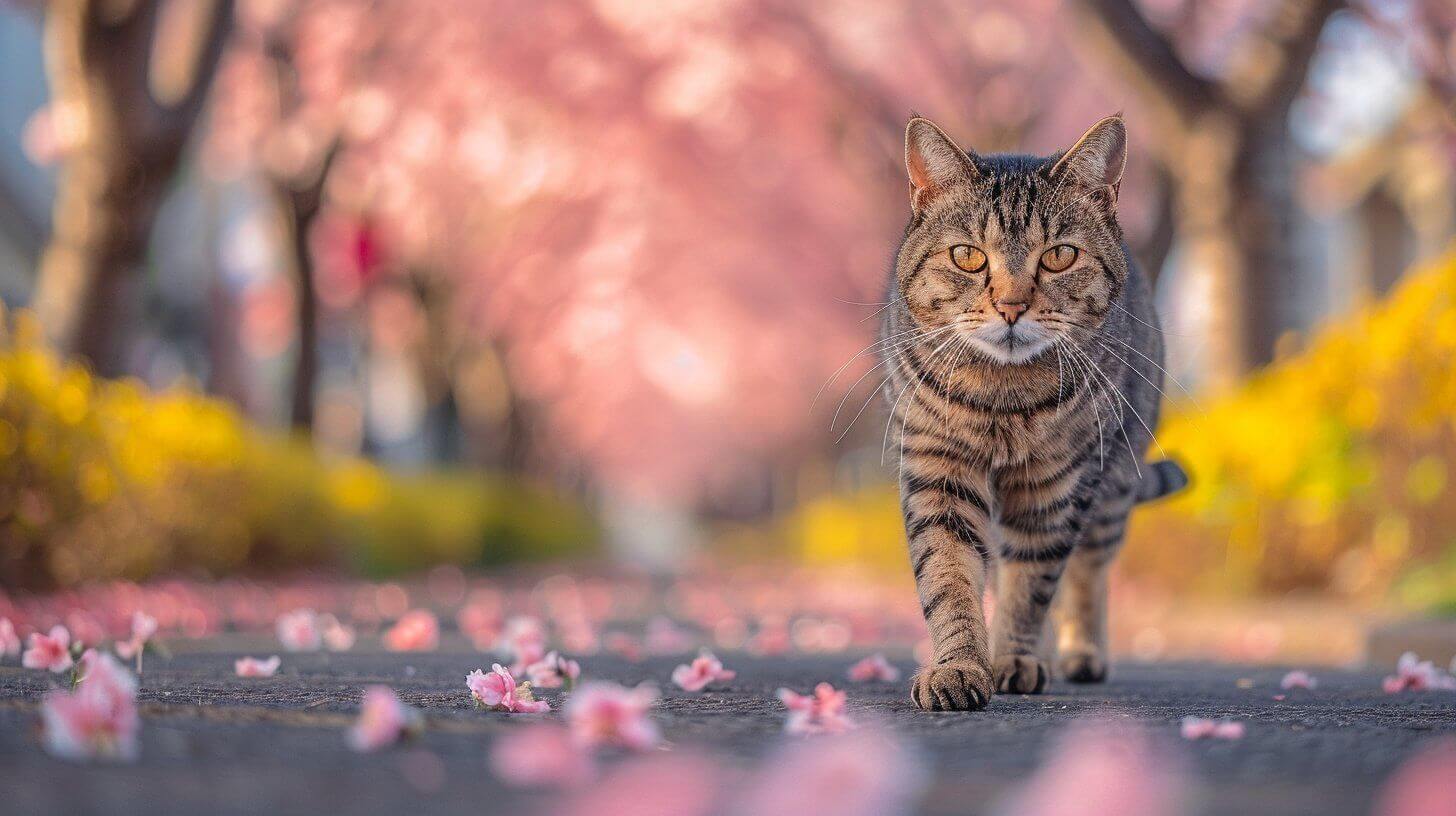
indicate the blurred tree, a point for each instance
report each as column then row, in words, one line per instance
column 128, row 81
column 1225, row 147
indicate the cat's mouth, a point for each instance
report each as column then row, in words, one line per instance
column 1012, row 344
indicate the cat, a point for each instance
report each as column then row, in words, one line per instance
column 1026, row 368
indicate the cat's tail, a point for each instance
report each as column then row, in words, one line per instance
column 1160, row 479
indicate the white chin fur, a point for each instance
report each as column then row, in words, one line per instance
column 996, row 342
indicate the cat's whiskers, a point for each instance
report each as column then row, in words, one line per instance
column 1166, row 372
column 1137, row 465
column 1096, row 410
column 892, row 340
column 887, row 357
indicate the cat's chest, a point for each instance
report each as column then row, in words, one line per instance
column 1012, row 437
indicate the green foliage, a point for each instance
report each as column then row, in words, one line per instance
column 103, row 479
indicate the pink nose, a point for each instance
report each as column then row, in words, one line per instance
column 1012, row 311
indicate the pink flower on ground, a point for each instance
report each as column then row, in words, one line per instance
column 525, row 641
column 874, row 669
column 298, row 631
column 553, row 671
column 609, row 714
column 499, row 690
column 1194, row 728
column 50, row 652
column 864, row 773
column 819, row 713
column 336, row 636
column 253, row 667
column 703, row 671
column 493, row 689
column 9, row 641
column 383, row 721
column 98, row 720
column 417, row 631
column 540, row 756
column 1101, row 769
column 143, row 626
column 1298, row 680
column 1422, row 786
column 1414, row 674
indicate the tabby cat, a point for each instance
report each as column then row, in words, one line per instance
column 1025, row 374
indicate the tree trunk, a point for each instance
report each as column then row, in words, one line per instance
column 133, row 121
column 297, row 210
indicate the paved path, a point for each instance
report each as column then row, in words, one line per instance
column 215, row 744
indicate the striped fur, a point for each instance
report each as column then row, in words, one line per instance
column 1022, row 437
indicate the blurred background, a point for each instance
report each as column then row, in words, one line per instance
column 370, row 286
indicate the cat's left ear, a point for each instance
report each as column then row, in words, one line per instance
column 1098, row 158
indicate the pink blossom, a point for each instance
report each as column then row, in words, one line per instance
column 499, row 690
column 336, row 636
column 553, row 671
column 703, row 671
column 98, row 720
column 1414, row 674
column 541, row 756
column 1422, row 786
column 50, row 652
column 863, row 773
column 493, row 689
column 416, row 631
column 143, row 626
column 874, row 669
column 1101, row 769
column 1298, row 680
column 609, row 714
column 383, row 721
column 253, row 667
column 525, row 641
column 298, row 631
column 1194, row 728
column 819, row 713
column 9, row 641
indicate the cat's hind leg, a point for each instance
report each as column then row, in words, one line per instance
column 1081, row 611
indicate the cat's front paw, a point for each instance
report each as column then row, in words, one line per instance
column 958, row 686
column 1020, row 674
column 1083, row 667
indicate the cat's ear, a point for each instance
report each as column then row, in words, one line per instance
column 933, row 162
column 1098, row 158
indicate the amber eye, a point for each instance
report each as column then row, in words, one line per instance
column 1058, row 258
column 968, row 258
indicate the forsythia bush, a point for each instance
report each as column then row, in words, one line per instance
column 103, row 479
column 1329, row 470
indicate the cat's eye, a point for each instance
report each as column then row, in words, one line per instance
column 968, row 258
column 1058, row 258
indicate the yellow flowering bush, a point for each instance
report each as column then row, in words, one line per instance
column 1330, row 469
column 103, row 479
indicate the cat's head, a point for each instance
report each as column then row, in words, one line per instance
column 1016, row 251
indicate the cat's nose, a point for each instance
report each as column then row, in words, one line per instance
column 1012, row 310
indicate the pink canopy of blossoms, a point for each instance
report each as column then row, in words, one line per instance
column 664, row 227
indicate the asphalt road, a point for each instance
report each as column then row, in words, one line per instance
column 215, row 744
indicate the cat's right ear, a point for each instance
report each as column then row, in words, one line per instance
column 933, row 162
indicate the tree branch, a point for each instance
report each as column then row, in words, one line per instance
column 1146, row 58
column 1269, row 66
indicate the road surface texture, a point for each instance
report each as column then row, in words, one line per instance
column 216, row 744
